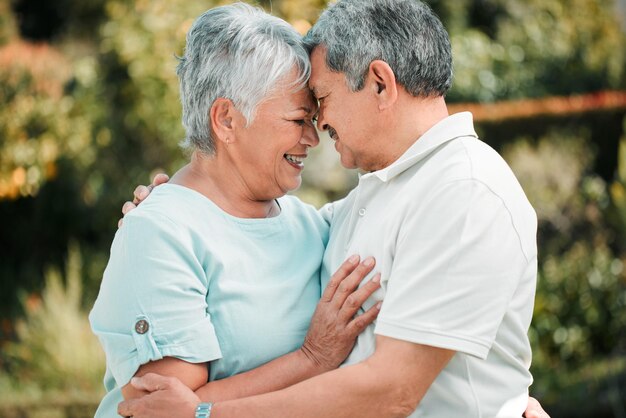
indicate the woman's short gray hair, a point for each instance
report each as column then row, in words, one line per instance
column 406, row 34
column 240, row 53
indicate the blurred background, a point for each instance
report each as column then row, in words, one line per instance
column 89, row 108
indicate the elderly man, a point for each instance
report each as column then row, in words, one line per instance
column 449, row 225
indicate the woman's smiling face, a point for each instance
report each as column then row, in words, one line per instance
column 269, row 153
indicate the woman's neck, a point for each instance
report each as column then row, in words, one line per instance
column 214, row 178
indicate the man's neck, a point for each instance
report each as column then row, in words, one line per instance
column 411, row 118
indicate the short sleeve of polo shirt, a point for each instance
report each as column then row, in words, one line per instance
column 327, row 211
column 152, row 300
column 457, row 263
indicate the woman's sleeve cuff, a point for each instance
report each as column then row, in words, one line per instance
column 196, row 343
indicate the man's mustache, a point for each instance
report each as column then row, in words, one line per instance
column 333, row 133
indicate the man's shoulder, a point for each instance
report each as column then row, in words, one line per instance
column 468, row 159
column 341, row 207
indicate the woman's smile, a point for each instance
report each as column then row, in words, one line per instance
column 296, row 161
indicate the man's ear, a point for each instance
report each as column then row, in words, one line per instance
column 222, row 114
column 383, row 81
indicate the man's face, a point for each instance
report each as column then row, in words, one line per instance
column 349, row 117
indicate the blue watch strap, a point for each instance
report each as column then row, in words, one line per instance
column 203, row 410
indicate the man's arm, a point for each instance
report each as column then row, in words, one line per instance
column 391, row 383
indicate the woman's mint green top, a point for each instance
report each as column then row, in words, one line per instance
column 187, row 280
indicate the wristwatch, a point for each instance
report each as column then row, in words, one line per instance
column 203, row 410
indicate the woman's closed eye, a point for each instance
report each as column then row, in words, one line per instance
column 302, row 122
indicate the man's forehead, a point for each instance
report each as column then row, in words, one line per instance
column 318, row 82
column 313, row 88
column 316, row 85
column 314, row 81
column 318, row 66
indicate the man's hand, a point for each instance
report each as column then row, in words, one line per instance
column 334, row 327
column 141, row 193
column 534, row 409
column 167, row 397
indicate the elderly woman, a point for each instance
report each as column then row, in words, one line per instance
column 216, row 276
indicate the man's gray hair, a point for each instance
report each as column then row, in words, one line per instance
column 406, row 34
column 240, row 53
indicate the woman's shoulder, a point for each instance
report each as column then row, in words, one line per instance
column 180, row 205
column 302, row 213
column 294, row 206
column 169, row 214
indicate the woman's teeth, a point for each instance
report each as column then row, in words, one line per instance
column 294, row 159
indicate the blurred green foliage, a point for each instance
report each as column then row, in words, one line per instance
column 56, row 360
column 7, row 22
column 54, row 327
column 39, row 121
column 618, row 188
column 531, row 48
column 90, row 108
column 580, row 307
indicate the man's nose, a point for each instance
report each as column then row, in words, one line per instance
column 321, row 123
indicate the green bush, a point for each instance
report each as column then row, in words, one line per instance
column 580, row 308
column 533, row 48
column 56, row 351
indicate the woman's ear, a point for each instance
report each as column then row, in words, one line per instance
column 222, row 119
column 383, row 82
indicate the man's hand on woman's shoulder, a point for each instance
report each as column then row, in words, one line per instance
column 141, row 193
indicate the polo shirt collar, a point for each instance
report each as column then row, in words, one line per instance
column 452, row 127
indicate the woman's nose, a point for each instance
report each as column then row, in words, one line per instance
column 309, row 136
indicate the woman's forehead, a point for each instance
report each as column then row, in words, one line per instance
column 292, row 100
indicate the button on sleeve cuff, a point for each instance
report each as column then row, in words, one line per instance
column 196, row 343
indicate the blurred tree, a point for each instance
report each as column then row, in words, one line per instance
column 532, row 48
column 40, row 122
column 618, row 193
column 41, row 20
column 43, row 127
column 57, row 353
column 580, row 307
column 7, row 22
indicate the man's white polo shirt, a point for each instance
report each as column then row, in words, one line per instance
column 454, row 237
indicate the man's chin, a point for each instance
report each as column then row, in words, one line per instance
column 348, row 163
column 346, row 158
